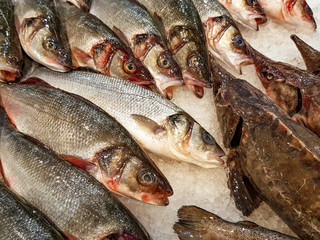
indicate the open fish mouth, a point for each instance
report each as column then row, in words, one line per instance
column 260, row 18
column 159, row 200
column 195, row 85
column 9, row 73
column 240, row 62
column 167, row 84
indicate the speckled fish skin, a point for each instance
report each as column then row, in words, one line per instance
column 295, row 90
column 73, row 200
column 195, row 223
column 157, row 124
column 249, row 13
column 19, row 220
column 183, row 30
column 271, row 157
column 135, row 26
column 295, row 14
column 41, row 35
column 83, row 4
column 80, row 131
column 11, row 59
column 310, row 55
column 94, row 45
column 224, row 39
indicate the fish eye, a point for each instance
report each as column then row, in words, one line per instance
column 238, row 41
column 164, row 62
column 309, row 10
column 270, row 76
column 208, row 139
column 195, row 61
column 146, row 178
column 3, row 48
column 49, row 44
column 130, row 67
column 251, row 2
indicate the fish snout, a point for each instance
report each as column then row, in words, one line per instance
column 215, row 158
column 195, row 85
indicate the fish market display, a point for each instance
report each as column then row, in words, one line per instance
column 87, row 136
column 247, row 12
column 295, row 14
column 157, row 124
column 73, row 200
column 40, row 33
column 134, row 25
column 223, row 37
column 19, row 220
column 96, row 46
column 271, row 158
column 11, row 59
column 181, row 25
column 83, row 4
column 196, row 223
column 310, row 55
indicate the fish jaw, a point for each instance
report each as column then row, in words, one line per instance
column 195, row 85
column 9, row 73
column 167, row 84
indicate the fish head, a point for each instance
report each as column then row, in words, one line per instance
column 133, row 176
column 191, row 143
column 225, row 42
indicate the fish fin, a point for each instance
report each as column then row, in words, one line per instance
column 121, row 35
column 80, row 57
column 192, row 222
column 147, row 123
column 36, row 81
column 248, row 224
column 79, row 162
column 160, row 25
column 71, row 237
column 245, row 196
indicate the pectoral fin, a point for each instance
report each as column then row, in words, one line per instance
column 80, row 58
column 147, row 124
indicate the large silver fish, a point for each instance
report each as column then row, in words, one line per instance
column 73, row 200
column 156, row 123
column 87, row 136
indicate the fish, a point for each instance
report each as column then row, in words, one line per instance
column 134, row 25
column 310, row 55
column 294, row 14
column 295, row 90
column 11, row 59
column 158, row 125
column 82, row 4
column 249, row 13
column 271, row 157
column 40, row 33
column 94, row 45
column 224, row 40
column 87, row 136
column 80, row 206
column 197, row 223
column 181, row 25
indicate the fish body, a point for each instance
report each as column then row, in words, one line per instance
column 73, row 200
column 157, row 124
column 87, row 136
column 310, row 55
column 94, row 45
column 83, row 4
column 295, row 14
column 40, row 33
column 196, row 223
column 11, row 59
column 224, row 39
column 134, row 25
column 181, row 25
column 272, row 158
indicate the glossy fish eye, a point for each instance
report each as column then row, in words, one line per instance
column 130, row 67
column 238, row 41
column 251, row 2
column 146, row 178
column 208, row 139
column 164, row 62
column 49, row 44
column 270, row 76
column 3, row 48
column 309, row 10
column 195, row 61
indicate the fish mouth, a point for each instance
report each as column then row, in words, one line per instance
column 57, row 65
column 166, row 85
column 142, row 82
column 240, row 62
column 260, row 18
column 195, row 85
column 160, row 200
column 121, row 236
column 10, row 75
column 213, row 160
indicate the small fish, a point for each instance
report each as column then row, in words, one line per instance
column 94, row 45
column 295, row 14
column 181, row 25
column 157, row 124
column 310, row 55
column 249, row 13
column 88, row 137
column 73, row 200
column 224, row 39
column 198, row 224
column 11, row 59
column 83, row 4
column 134, row 25
column 40, row 33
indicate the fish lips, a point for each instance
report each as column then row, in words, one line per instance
column 167, row 84
column 9, row 73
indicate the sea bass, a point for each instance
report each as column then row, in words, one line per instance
column 271, row 157
column 310, row 55
column 247, row 12
column 96, row 46
column 157, row 124
column 11, row 59
column 294, row 14
column 73, row 200
column 296, row 91
column 224, row 39
column 134, row 25
column 40, row 33
column 87, row 136
column 180, row 23
column 196, row 223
